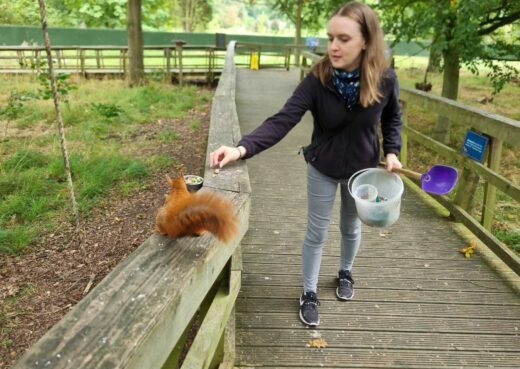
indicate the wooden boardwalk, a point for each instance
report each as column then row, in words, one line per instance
column 418, row 304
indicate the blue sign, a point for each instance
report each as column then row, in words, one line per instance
column 312, row 42
column 475, row 145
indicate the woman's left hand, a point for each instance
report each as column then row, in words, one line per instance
column 392, row 162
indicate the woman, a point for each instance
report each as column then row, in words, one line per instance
column 349, row 91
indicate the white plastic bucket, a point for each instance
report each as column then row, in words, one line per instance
column 384, row 210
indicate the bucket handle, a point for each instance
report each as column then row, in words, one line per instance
column 349, row 183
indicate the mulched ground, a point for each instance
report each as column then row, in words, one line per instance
column 39, row 287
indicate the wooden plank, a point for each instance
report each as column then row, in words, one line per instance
column 491, row 124
column 422, row 283
column 488, row 208
column 397, row 295
column 225, row 130
column 435, row 251
column 347, row 339
column 394, row 295
column 260, row 305
column 293, row 238
column 461, row 264
column 212, row 328
column 376, row 323
column 389, row 272
column 303, row 357
column 403, row 154
column 135, row 316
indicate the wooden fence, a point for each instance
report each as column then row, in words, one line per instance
column 169, row 61
column 499, row 129
column 140, row 315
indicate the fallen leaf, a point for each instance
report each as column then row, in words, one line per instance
column 469, row 250
column 318, row 343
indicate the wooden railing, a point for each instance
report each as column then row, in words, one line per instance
column 139, row 315
column 499, row 129
column 177, row 60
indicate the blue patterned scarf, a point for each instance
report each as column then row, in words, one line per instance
column 347, row 84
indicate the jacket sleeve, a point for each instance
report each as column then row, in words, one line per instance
column 391, row 122
column 274, row 128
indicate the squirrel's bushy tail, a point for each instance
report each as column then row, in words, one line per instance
column 203, row 211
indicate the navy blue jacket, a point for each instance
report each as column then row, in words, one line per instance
column 343, row 141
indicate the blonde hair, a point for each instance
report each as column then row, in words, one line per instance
column 373, row 59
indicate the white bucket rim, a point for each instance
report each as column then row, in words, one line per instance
column 362, row 171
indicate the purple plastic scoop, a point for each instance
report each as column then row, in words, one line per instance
column 439, row 179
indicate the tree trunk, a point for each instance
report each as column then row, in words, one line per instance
column 450, row 90
column 434, row 60
column 135, row 43
column 298, row 34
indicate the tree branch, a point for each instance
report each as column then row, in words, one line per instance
column 496, row 23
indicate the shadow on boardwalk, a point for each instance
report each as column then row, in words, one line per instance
column 419, row 303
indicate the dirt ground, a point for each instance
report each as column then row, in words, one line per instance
column 39, row 287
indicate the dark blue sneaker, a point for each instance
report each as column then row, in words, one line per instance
column 309, row 309
column 345, row 290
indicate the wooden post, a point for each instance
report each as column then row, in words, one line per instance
column 21, row 58
column 287, row 58
column 58, row 57
column 303, row 67
column 178, row 46
column 82, row 62
column 36, row 57
column 403, row 156
column 466, row 189
column 490, row 191
column 168, row 54
column 211, row 66
column 98, row 62
column 123, row 59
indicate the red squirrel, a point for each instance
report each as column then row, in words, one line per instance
column 190, row 214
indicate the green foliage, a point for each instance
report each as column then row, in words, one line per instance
column 195, row 124
column 14, row 239
column 15, row 104
column 24, row 159
column 473, row 27
column 192, row 15
column 86, row 13
column 101, row 115
column 168, row 136
column 63, row 86
column 314, row 13
column 107, row 110
column 156, row 162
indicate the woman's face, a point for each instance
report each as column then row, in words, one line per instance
column 346, row 43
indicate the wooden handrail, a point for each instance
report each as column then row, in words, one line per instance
column 491, row 124
column 137, row 317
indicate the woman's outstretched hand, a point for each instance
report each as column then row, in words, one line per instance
column 392, row 162
column 224, row 155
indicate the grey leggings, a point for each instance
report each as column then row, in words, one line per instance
column 321, row 192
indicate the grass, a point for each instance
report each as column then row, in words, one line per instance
column 506, row 225
column 99, row 117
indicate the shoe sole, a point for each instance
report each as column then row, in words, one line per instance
column 304, row 321
column 343, row 297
